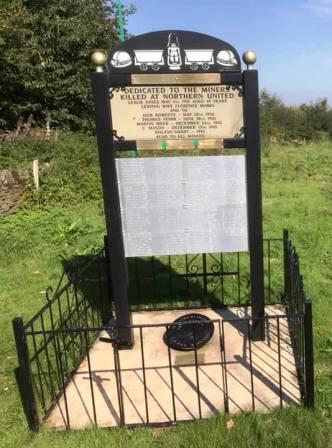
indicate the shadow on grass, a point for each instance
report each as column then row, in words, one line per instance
column 193, row 281
column 165, row 282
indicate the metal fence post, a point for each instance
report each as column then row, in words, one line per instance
column 25, row 375
column 309, row 356
column 205, row 289
column 108, row 270
column 286, row 266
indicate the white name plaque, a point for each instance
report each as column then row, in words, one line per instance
column 179, row 205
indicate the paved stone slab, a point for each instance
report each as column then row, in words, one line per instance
column 197, row 392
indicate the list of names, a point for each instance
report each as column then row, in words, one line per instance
column 179, row 205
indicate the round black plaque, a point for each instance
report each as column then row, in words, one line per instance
column 189, row 332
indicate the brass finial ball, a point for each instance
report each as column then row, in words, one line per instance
column 99, row 58
column 249, row 58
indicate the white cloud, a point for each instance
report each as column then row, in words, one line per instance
column 321, row 8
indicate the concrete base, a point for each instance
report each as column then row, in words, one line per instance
column 198, row 393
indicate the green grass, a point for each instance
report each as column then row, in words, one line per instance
column 297, row 188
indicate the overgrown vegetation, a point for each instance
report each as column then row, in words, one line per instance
column 44, row 58
column 34, row 242
column 287, row 124
column 69, row 168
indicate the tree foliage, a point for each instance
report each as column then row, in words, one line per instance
column 45, row 47
column 288, row 123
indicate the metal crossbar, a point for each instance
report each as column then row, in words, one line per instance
column 52, row 345
column 202, row 280
column 119, row 369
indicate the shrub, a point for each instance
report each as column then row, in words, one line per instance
column 69, row 168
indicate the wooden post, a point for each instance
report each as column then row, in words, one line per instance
column 35, row 172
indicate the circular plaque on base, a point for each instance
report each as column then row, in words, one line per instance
column 189, row 332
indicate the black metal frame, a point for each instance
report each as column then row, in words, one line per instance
column 108, row 144
column 254, row 192
column 51, row 346
column 117, row 265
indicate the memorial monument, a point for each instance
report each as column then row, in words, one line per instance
column 179, row 147
column 178, row 94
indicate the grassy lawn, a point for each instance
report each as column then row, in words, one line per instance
column 297, row 188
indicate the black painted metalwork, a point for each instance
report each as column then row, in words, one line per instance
column 175, row 52
column 182, row 337
column 301, row 332
column 254, row 195
column 272, row 321
column 170, row 372
column 279, row 363
column 249, row 330
column 118, row 382
column 172, row 51
column 54, row 342
column 202, row 280
column 144, row 375
column 80, row 300
column 118, row 267
column 25, row 375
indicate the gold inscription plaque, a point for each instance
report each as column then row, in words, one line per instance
column 177, row 112
column 152, row 145
column 180, row 78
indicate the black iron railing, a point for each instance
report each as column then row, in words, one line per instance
column 48, row 358
column 202, row 280
column 301, row 331
column 52, row 345
column 140, row 373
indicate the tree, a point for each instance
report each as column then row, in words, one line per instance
column 272, row 113
column 287, row 123
column 13, row 36
column 319, row 115
column 46, row 48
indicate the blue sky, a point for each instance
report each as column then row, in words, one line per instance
column 292, row 39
